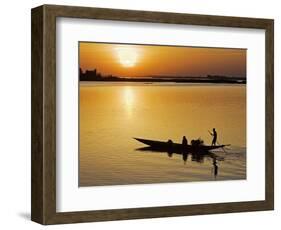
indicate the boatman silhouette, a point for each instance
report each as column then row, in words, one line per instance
column 215, row 135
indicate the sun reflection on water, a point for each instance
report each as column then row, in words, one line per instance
column 129, row 100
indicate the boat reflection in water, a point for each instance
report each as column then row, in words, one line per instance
column 196, row 153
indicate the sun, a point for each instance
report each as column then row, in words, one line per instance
column 127, row 56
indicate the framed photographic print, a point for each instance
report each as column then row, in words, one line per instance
column 148, row 114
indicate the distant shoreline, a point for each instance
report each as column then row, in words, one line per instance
column 95, row 76
column 156, row 80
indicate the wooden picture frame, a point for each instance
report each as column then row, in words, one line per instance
column 43, row 208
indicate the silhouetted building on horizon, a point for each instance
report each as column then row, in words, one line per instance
column 89, row 75
column 94, row 75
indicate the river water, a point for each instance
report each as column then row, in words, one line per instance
column 111, row 114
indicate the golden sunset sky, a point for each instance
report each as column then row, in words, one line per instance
column 145, row 60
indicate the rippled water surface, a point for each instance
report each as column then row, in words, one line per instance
column 112, row 114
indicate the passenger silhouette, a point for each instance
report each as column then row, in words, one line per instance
column 215, row 135
column 170, row 148
column 170, row 143
column 184, row 141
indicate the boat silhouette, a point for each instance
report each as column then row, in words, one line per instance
column 197, row 151
column 165, row 146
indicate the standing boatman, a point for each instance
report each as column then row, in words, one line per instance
column 215, row 135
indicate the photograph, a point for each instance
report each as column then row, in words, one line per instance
column 161, row 114
column 128, row 106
